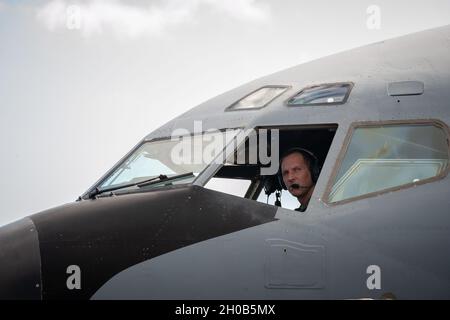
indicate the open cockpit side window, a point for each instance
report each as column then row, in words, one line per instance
column 253, row 170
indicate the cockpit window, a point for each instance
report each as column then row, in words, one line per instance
column 324, row 94
column 258, row 99
column 384, row 157
column 182, row 157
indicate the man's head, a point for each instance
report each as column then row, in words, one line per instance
column 296, row 173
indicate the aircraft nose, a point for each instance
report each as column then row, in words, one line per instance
column 20, row 274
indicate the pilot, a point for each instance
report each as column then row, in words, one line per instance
column 299, row 173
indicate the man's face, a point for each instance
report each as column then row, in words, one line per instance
column 296, row 174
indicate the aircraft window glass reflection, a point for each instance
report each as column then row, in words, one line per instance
column 235, row 187
column 186, row 156
column 322, row 94
column 388, row 156
column 258, row 99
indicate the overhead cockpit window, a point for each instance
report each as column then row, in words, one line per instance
column 385, row 157
column 258, row 99
column 324, row 94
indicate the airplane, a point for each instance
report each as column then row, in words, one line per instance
column 158, row 227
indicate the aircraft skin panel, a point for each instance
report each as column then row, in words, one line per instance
column 232, row 266
column 405, row 232
column 330, row 249
column 106, row 235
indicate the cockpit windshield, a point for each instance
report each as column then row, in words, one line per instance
column 182, row 158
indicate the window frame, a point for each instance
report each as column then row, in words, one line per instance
column 375, row 124
column 344, row 101
column 231, row 109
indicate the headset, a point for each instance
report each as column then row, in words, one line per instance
column 311, row 159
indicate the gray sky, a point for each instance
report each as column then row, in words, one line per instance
column 81, row 82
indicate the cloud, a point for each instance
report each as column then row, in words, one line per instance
column 246, row 10
column 99, row 16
